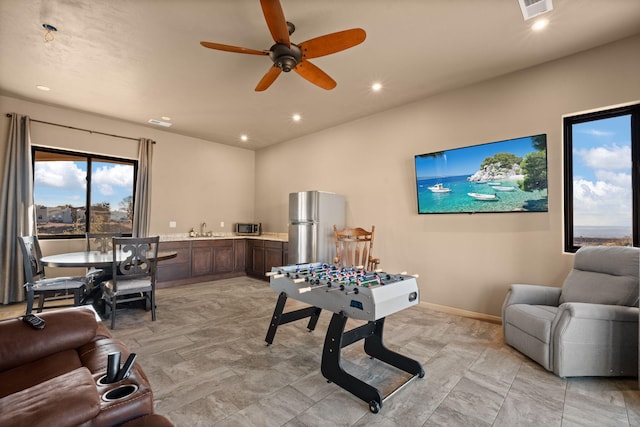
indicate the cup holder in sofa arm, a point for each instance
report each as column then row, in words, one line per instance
column 120, row 392
column 102, row 381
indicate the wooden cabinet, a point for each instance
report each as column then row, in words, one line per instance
column 175, row 269
column 255, row 258
column 272, row 255
column 211, row 257
column 200, row 260
column 285, row 253
column 262, row 255
column 240, row 254
column 223, row 258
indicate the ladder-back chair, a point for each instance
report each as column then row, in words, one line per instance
column 354, row 248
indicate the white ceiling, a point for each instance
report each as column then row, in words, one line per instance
column 140, row 59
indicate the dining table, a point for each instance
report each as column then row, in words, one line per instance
column 95, row 259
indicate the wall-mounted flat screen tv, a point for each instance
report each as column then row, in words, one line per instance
column 502, row 176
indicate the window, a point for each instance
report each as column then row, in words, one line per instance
column 77, row 193
column 601, row 178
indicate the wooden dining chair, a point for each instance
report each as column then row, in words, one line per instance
column 134, row 274
column 46, row 289
column 354, row 248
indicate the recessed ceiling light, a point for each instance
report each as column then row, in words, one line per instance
column 244, row 138
column 160, row 123
column 165, row 118
column 376, row 87
column 540, row 24
column 296, row 117
column 44, row 88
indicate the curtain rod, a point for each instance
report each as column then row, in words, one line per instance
column 84, row 130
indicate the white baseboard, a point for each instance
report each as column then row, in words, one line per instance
column 463, row 313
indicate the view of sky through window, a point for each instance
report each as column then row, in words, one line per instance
column 60, row 191
column 602, row 188
column 64, row 182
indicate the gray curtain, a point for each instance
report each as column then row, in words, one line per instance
column 17, row 216
column 142, row 207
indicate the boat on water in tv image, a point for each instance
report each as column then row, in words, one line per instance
column 511, row 174
column 439, row 188
column 484, row 197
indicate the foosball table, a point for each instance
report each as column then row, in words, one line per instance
column 348, row 293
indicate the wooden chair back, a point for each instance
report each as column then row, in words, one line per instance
column 354, row 248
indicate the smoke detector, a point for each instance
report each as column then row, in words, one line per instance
column 533, row 8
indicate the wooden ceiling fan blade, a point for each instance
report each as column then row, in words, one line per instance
column 268, row 79
column 229, row 48
column 315, row 75
column 332, row 43
column 276, row 22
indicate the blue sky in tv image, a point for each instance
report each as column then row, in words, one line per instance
column 602, row 176
column 446, row 182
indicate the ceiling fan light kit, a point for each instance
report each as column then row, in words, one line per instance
column 287, row 56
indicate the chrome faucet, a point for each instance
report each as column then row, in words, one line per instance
column 202, row 227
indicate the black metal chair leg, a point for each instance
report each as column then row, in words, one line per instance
column 114, row 308
column 153, row 305
column 40, row 302
column 29, row 295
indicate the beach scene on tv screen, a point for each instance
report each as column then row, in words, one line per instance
column 503, row 176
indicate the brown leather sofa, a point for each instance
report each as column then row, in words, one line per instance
column 52, row 376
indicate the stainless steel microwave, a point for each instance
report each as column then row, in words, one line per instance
column 248, row 229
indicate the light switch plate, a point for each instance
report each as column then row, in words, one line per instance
column 172, row 224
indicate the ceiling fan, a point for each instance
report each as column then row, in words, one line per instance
column 287, row 56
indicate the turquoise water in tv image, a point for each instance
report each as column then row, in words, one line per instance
column 457, row 200
column 501, row 176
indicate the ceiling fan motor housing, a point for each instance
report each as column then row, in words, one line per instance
column 284, row 57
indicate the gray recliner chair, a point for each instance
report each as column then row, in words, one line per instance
column 589, row 327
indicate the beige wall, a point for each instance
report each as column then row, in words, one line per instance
column 464, row 261
column 193, row 181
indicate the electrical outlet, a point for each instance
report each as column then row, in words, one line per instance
column 221, row 224
column 172, row 224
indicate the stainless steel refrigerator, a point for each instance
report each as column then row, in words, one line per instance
column 312, row 215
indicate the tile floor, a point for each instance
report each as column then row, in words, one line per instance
column 209, row 366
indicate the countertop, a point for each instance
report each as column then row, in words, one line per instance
column 177, row 237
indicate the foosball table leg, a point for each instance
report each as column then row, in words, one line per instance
column 275, row 319
column 371, row 332
column 280, row 318
column 332, row 369
column 375, row 348
column 313, row 319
